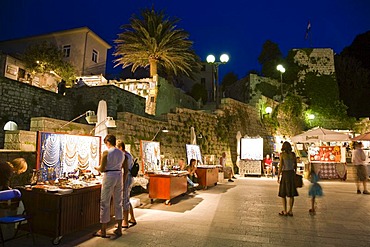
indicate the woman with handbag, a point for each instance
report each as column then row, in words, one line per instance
column 287, row 171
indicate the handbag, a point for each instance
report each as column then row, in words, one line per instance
column 298, row 179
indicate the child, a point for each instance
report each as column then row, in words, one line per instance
column 315, row 188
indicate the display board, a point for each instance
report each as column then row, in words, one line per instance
column 325, row 154
column 193, row 152
column 150, row 154
column 251, row 149
column 61, row 154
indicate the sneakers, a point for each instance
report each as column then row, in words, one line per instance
column 365, row 192
column 196, row 185
column 358, row 191
column 234, row 177
column 230, row 180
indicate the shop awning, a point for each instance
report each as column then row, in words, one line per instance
column 363, row 137
column 318, row 134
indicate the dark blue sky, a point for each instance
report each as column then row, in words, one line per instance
column 237, row 27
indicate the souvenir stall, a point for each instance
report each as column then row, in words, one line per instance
column 251, row 156
column 64, row 194
column 163, row 183
column 325, row 151
column 207, row 173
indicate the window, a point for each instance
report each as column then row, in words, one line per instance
column 203, row 68
column 66, row 50
column 95, row 56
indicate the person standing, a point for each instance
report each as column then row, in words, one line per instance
column 287, row 170
column 111, row 167
column 358, row 160
column 62, row 87
column 315, row 188
column 127, row 186
column 228, row 171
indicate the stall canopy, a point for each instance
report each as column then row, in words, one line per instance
column 363, row 137
column 318, row 134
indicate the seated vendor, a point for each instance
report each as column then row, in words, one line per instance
column 8, row 169
column 268, row 168
column 183, row 167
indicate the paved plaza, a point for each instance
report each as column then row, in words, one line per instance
column 243, row 213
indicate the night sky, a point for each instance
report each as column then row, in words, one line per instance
column 236, row 27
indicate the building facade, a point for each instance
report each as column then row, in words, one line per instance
column 84, row 49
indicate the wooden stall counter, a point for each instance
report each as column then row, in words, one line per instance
column 167, row 186
column 207, row 175
column 55, row 214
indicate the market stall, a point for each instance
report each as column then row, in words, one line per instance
column 251, row 156
column 64, row 193
column 163, row 183
column 325, row 151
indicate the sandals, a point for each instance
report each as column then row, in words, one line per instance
column 282, row 213
column 132, row 223
column 118, row 233
column 98, row 234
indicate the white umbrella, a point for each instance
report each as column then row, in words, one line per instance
column 193, row 137
column 100, row 128
column 318, row 134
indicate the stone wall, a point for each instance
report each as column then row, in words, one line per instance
column 20, row 102
column 118, row 100
column 170, row 97
column 132, row 128
column 318, row 60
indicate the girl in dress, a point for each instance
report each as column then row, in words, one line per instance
column 315, row 188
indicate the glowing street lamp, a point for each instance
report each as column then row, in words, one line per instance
column 211, row 59
column 282, row 70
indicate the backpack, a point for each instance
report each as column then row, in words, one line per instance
column 135, row 168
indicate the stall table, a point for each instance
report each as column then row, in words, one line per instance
column 55, row 214
column 167, row 186
column 331, row 170
column 207, row 175
column 250, row 167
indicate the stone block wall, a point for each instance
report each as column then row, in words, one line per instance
column 132, row 128
column 20, row 101
column 319, row 60
column 20, row 140
column 118, row 100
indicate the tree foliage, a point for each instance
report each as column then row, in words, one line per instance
column 153, row 39
column 228, row 80
column 290, row 116
column 46, row 57
column 352, row 67
column 269, row 58
column 198, row 92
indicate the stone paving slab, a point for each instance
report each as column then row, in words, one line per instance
column 243, row 213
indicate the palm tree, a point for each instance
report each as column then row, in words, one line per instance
column 155, row 40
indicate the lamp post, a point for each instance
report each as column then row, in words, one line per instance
column 224, row 58
column 282, row 70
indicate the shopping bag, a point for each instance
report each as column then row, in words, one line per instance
column 298, row 181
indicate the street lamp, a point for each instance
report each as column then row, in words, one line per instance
column 282, row 70
column 224, row 58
